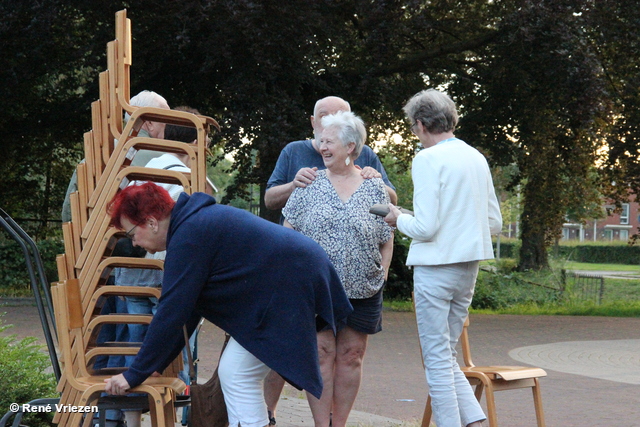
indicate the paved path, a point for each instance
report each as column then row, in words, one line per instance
column 592, row 364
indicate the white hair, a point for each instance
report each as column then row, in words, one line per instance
column 147, row 98
column 350, row 129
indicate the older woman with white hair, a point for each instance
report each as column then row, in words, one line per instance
column 334, row 211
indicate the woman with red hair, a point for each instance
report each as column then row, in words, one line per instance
column 268, row 287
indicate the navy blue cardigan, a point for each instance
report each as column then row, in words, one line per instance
column 260, row 282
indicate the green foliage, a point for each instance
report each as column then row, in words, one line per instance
column 612, row 309
column 498, row 291
column 539, row 85
column 23, row 377
column 601, row 254
column 400, row 280
column 13, row 269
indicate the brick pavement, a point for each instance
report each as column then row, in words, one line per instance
column 394, row 390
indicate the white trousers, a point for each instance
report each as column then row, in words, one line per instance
column 241, row 378
column 442, row 295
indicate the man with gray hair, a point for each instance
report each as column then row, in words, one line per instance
column 299, row 161
column 455, row 213
column 146, row 98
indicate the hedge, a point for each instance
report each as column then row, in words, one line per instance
column 604, row 254
column 13, row 268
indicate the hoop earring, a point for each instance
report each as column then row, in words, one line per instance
column 347, row 161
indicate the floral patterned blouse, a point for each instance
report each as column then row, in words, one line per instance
column 349, row 234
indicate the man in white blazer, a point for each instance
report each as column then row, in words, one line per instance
column 455, row 213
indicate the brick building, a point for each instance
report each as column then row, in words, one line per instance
column 616, row 226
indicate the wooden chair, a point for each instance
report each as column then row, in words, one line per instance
column 87, row 387
column 124, row 153
column 98, row 222
column 93, row 281
column 496, row 378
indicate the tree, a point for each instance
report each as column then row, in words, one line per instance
column 533, row 80
column 540, row 107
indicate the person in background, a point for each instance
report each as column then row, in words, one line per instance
column 300, row 161
column 146, row 98
column 298, row 166
column 334, row 211
column 218, row 261
column 455, row 213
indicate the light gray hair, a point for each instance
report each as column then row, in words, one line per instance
column 435, row 110
column 350, row 129
column 147, row 98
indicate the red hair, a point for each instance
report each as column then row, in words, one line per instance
column 139, row 202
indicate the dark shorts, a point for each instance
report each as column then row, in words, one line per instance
column 366, row 316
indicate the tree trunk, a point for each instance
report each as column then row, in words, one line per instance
column 533, row 252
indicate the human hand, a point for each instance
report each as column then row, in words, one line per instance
column 368, row 172
column 117, row 385
column 304, row 177
column 392, row 216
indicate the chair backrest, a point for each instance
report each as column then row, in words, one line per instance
column 466, row 348
column 64, row 312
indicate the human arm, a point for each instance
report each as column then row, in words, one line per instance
column 369, row 172
column 186, row 273
column 386, row 250
column 117, row 385
column 276, row 197
column 287, row 224
column 425, row 223
column 372, row 167
column 495, row 216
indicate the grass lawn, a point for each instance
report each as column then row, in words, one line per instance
column 571, row 265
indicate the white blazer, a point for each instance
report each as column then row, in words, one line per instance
column 455, row 206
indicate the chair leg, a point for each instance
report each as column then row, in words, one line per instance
column 537, row 403
column 491, row 405
column 478, row 391
column 169, row 407
column 74, row 420
column 426, row 417
column 157, row 410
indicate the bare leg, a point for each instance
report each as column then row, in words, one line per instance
column 133, row 418
column 350, row 350
column 321, row 408
column 273, row 385
column 475, row 424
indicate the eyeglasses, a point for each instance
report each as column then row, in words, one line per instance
column 128, row 233
column 412, row 126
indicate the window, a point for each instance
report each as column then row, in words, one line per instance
column 624, row 235
column 624, row 215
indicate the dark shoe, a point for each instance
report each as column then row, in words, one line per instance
column 272, row 419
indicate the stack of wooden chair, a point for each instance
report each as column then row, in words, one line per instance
column 86, row 264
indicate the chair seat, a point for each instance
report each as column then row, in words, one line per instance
column 175, row 384
column 508, row 373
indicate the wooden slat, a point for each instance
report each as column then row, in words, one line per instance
column 107, row 141
column 89, row 160
column 82, row 193
column 75, row 222
column 69, row 247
